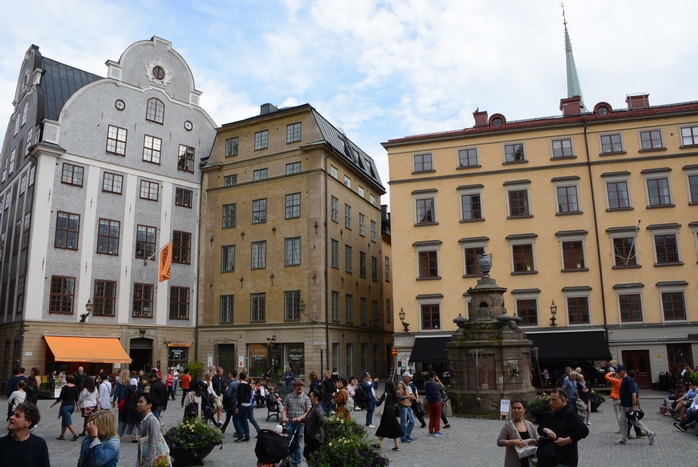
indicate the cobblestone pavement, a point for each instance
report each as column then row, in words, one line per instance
column 468, row 442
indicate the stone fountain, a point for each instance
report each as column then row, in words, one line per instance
column 489, row 355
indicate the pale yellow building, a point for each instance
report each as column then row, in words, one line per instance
column 594, row 210
column 291, row 251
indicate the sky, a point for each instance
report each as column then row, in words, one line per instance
column 378, row 69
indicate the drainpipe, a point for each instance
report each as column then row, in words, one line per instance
column 325, row 274
column 596, row 230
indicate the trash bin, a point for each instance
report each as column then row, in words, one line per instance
column 664, row 381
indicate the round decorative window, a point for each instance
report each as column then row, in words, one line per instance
column 158, row 72
column 603, row 110
column 497, row 121
column 188, row 125
column 119, row 104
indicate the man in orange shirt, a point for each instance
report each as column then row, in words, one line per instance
column 614, row 380
column 186, row 379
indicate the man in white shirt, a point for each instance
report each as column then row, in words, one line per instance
column 104, row 392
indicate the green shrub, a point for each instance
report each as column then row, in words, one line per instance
column 346, row 445
column 193, row 434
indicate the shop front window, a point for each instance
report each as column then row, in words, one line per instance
column 177, row 357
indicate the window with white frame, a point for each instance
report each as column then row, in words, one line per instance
column 261, row 140
column 572, row 249
column 334, row 209
column 629, row 298
column 361, row 191
column 514, row 153
column 526, row 305
column 472, row 247
column 562, row 148
column 518, row 198
column 567, row 195
column 467, row 157
column 425, row 207
column 427, row 259
column 522, row 252
column 611, row 144
column 362, row 225
column 672, row 296
column 422, row 163
column 658, row 187
column 152, row 149
column 334, row 173
column 577, row 301
column 692, row 183
column 374, row 229
column 470, row 202
column 651, row 139
column 689, row 136
column 623, row 243
column 259, row 211
column 347, row 181
column 292, row 251
column 665, row 239
column 430, row 311
column 116, row 140
column 347, row 216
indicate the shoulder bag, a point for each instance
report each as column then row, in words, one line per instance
column 526, row 451
column 162, row 458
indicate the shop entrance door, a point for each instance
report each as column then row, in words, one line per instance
column 639, row 360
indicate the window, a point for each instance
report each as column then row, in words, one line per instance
column 578, row 310
column 617, row 193
column 179, row 302
column 228, row 258
column 116, row 140
column 105, row 298
column 348, row 267
column 611, row 144
column 25, row 231
column 689, row 136
column 335, row 306
column 155, row 111
column 388, row 310
column 259, row 211
column 16, row 124
column 387, row 269
column 15, row 238
column 112, row 183
column 185, row 161
column 431, row 316
column 522, row 256
column 362, row 264
column 335, row 253
column 624, row 252
column 518, row 203
column 333, row 172
column 32, row 174
column 422, row 163
column 142, row 300
column 13, row 156
column 693, row 188
column 258, row 303
column 651, row 139
column 259, row 255
column 152, row 147
column 62, row 294
column 23, row 183
column 261, row 140
column 229, row 216
column 528, row 311
column 293, row 206
column 293, row 132
column 292, row 251
column 472, row 268
column 349, row 305
column 374, row 228
column 364, row 311
column 347, row 216
column 24, row 113
column 149, row 190
column 514, row 152
column 72, row 174
column 347, row 181
column 573, row 255
column 470, row 207
column 293, row 168
column 108, row 237
column 362, row 225
column 467, row 157
column 567, row 201
column 374, row 269
column 334, row 209
column 372, row 199
column 231, row 147
column 145, row 241
column 225, row 314
column 21, row 284
column 260, row 174
column 658, row 192
column 67, row 230
column 428, row 264
column 666, row 249
column 230, row 180
column 181, row 247
column 674, row 306
column 425, row 211
column 630, row 307
column 562, row 148
column 292, row 308
column 183, row 197
column 361, row 191
column 30, row 141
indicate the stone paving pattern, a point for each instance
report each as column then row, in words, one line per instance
column 469, row 442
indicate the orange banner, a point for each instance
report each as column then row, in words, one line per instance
column 165, row 262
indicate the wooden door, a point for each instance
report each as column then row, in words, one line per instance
column 639, row 360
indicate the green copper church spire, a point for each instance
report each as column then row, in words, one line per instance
column 574, row 87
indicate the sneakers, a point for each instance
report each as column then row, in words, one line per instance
column 438, row 433
column 370, row 426
column 423, row 425
column 651, row 437
column 411, row 438
column 617, row 432
column 680, row 427
column 588, row 423
column 431, row 434
column 405, row 440
column 631, row 436
column 447, row 425
column 622, row 441
column 396, row 448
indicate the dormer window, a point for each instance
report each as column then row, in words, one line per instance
column 497, row 121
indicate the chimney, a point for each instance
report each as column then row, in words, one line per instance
column 480, row 117
column 571, row 106
column 637, row 101
column 267, row 109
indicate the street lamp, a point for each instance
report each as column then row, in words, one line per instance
column 88, row 308
column 402, row 320
column 553, row 312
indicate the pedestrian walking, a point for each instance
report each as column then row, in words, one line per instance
column 68, row 399
column 389, row 427
column 629, row 403
column 405, row 399
column 565, row 427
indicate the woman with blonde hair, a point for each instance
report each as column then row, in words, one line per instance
column 218, row 403
column 101, row 447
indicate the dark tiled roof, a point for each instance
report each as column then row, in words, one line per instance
column 59, row 83
column 351, row 152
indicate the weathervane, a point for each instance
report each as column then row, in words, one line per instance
column 564, row 20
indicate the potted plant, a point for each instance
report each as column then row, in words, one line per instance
column 346, row 445
column 195, row 368
column 528, row 264
column 192, row 440
column 579, row 260
column 597, row 399
column 539, row 408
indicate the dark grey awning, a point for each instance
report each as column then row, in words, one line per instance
column 571, row 346
column 430, row 349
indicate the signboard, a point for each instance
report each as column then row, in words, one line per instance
column 209, row 360
column 504, row 408
column 241, row 360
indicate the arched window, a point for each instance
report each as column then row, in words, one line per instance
column 155, row 111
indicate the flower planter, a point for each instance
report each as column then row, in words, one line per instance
column 190, row 456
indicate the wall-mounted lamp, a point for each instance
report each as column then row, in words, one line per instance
column 88, row 308
column 402, row 320
column 272, row 279
column 142, row 332
column 271, row 340
column 211, row 240
column 553, row 312
column 312, row 316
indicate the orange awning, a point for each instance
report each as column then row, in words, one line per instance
column 87, row 349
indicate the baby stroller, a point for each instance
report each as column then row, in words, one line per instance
column 272, row 448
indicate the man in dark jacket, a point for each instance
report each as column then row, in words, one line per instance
column 218, row 382
column 230, row 401
column 159, row 390
column 564, row 426
column 243, row 407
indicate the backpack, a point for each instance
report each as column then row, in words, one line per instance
column 349, row 406
column 430, row 392
column 360, row 395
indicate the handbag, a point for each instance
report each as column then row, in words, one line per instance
column 419, row 408
column 548, row 453
column 162, row 458
column 581, row 405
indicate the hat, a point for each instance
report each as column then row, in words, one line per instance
column 367, row 373
column 620, row 368
column 407, row 374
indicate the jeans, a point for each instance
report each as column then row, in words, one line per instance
column 157, row 411
column 297, row 454
column 252, row 420
column 435, row 411
column 370, row 408
column 244, row 417
column 407, row 421
column 230, row 413
column 185, row 391
column 174, row 390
